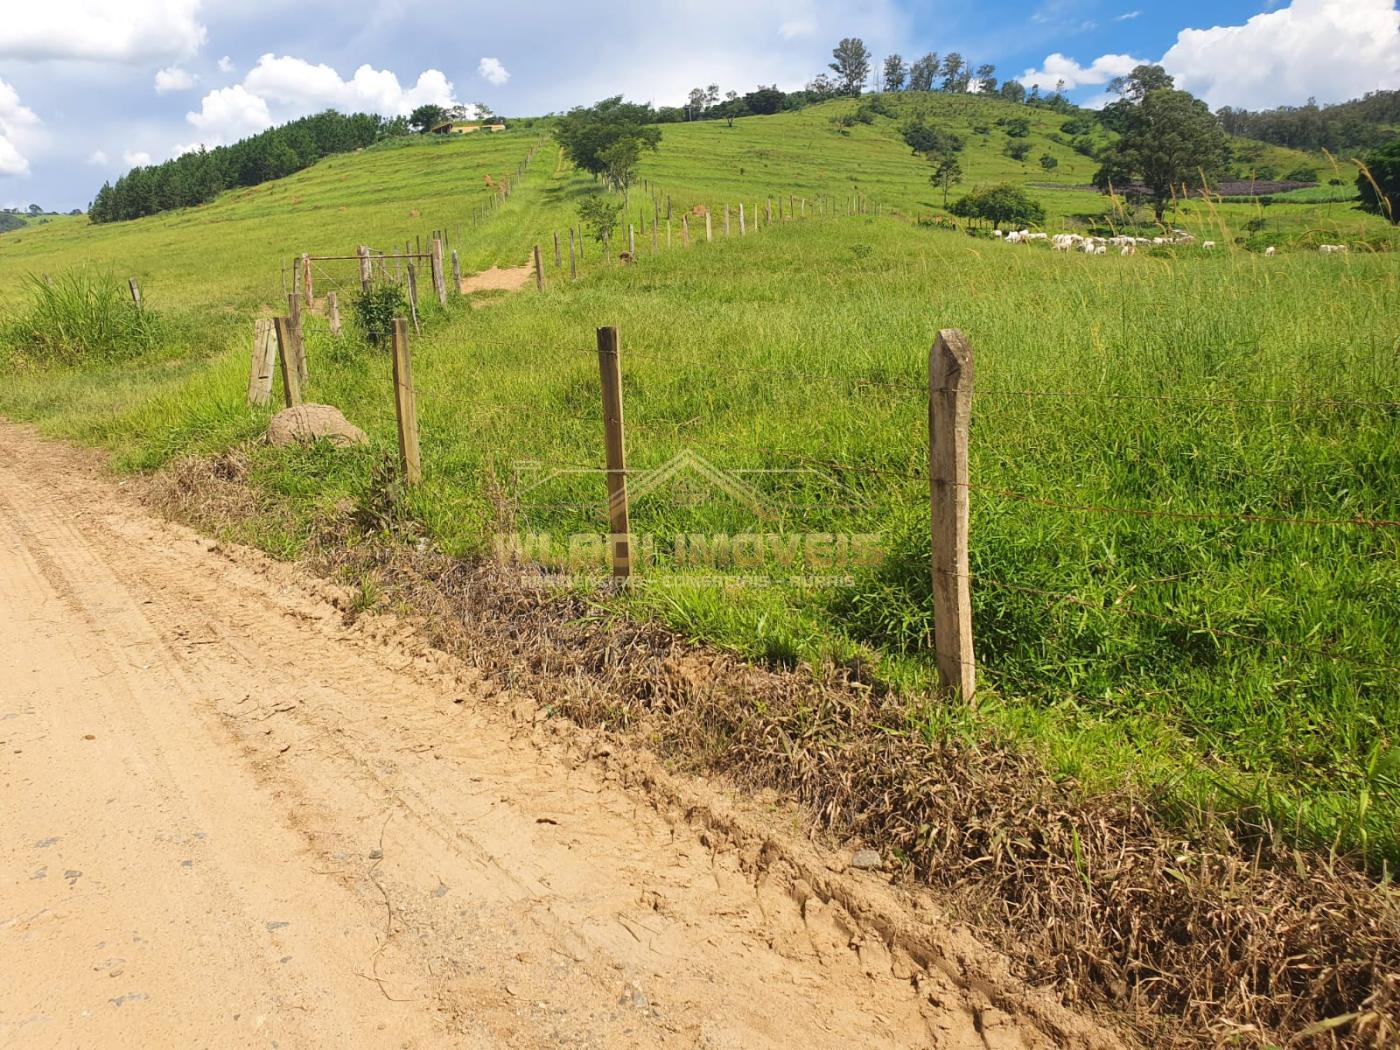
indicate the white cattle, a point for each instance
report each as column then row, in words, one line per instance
column 1270, row 251
column 1207, row 245
column 1333, row 249
column 1128, row 249
column 998, row 234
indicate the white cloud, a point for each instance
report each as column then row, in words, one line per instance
column 1328, row 49
column 1057, row 67
column 229, row 114
column 226, row 65
column 173, row 78
column 98, row 159
column 133, row 31
column 136, row 158
column 491, row 70
column 17, row 123
column 793, row 28
column 305, row 88
column 1127, row 16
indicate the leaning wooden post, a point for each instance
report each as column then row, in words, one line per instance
column 306, row 279
column 610, row 371
column 413, row 297
column 264, row 362
column 286, row 351
column 539, row 270
column 298, row 338
column 333, row 312
column 135, row 291
column 949, row 418
column 456, row 273
column 405, row 405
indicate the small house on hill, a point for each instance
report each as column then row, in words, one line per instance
column 449, row 128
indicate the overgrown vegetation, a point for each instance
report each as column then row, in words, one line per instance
column 78, row 316
column 375, row 308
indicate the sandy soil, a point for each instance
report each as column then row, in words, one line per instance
column 498, row 279
column 230, row 818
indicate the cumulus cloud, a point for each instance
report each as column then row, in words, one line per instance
column 1329, row 49
column 98, row 159
column 1057, row 67
column 133, row 31
column 229, row 114
column 282, row 88
column 17, row 123
column 136, row 158
column 226, row 65
column 173, row 78
column 491, row 70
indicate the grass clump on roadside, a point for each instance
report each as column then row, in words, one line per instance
column 79, row 316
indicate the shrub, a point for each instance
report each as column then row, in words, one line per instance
column 599, row 213
column 922, row 137
column 1018, row 128
column 998, row 205
column 375, row 309
column 1048, row 162
column 1018, row 150
column 82, row 314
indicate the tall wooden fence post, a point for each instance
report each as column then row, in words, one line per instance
column 286, row 354
column 573, row 260
column 558, row 255
column 539, row 271
column 405, row 405
column 709, row 228
column 439, row 277
column 742, row 230
column 135, row 291
column 632, row 241
column 456, row 273
column 610, row 371
column 413, row 296
column 306, row 279
column 685, row 230
column 298, row 340
column 264, row 362
column 949, row 419
column 366, row 274
column 333, row 312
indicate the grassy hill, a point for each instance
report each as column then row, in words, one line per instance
column 1196, row 383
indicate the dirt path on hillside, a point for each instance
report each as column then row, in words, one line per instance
column 232, row 819
column 499, row 279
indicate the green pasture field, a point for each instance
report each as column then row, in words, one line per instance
column 1220, row 661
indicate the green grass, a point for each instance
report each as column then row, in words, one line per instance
column 1188, row 663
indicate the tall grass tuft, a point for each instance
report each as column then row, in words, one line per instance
column 78, row 316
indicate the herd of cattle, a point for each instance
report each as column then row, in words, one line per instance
column 1073, row 242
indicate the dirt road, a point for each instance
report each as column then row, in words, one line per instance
column 228, row 819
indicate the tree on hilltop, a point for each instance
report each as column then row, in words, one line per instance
column 851, row 65
column 607, row 139
column 895, row 72
column 1379, row 182
column 426, row 117
column 947, row 172
column 924, row 72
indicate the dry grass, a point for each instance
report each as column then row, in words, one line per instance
column 1194, row 940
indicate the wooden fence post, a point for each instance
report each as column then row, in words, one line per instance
column 333, row 312
column 573, row 260
column 539, row 270
column 742, row 229
column 770, row 211
column 439, row 277
column 558, row 257
column 610, row 371
column 685, row 230
column 135, row 291
column 726, row 220
column 632, row 241
column 286, row 354
column 366, row 274
column 405, row 405
column 456, row 273
column 709, row 228
column 413, row 296
column 298, row 339
column 949, row 419
column 264, row 357
column 306, row 279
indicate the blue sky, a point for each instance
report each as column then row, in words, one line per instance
column 90, row 87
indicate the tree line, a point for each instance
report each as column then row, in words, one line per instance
column 200, row 176
column 1346, row 127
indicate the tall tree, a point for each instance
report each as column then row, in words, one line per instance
column 426, row 117
column 924, row 72
column 1013, row 91
column 851, row 65
column 986, row 77
column 947, row 172
column 695, row 105
column 1168, row 141
column 895, row 72
column 1140, row 83
column 954, row 72
column 587, row 135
